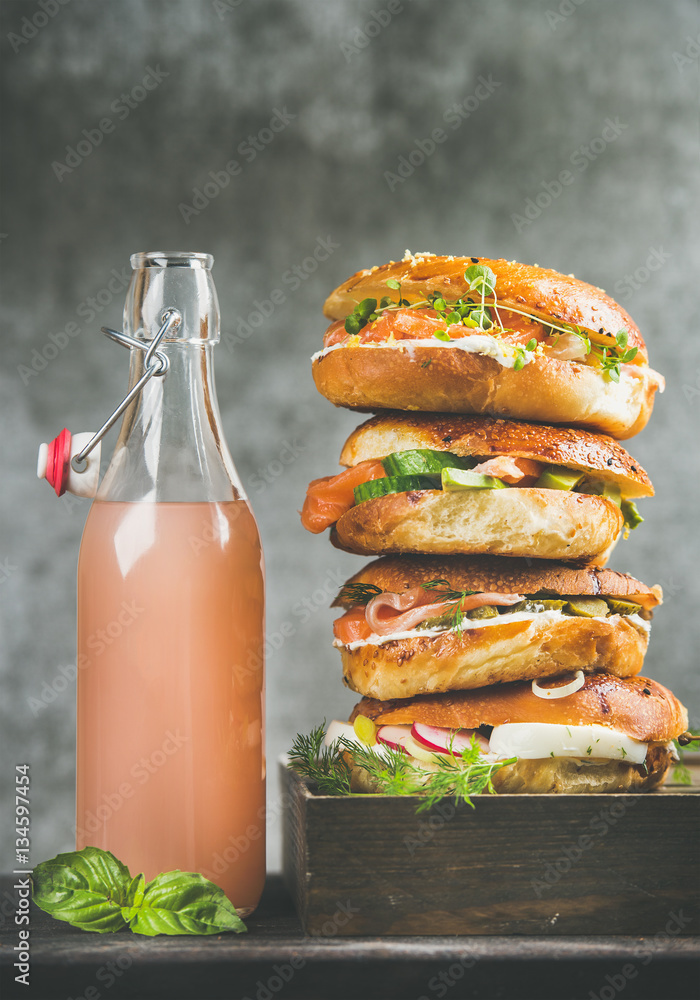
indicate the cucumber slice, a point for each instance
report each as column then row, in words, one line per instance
column 392, row 484
column 557, row 477
column 631, row 515
column 464, row 479
column 423, row 461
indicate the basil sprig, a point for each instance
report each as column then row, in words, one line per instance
column 92, row 890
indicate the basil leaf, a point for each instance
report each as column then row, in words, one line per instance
column 85, row 888
column 184, row 903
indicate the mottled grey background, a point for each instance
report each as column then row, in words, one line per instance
column 362, row 94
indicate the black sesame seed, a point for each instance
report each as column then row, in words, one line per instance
column 474, row 260
column 633, row 468
column 610, row 461
column 601, row 330
column 447, row 439
column 647, row 691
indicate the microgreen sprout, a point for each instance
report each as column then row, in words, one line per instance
column 475, row 312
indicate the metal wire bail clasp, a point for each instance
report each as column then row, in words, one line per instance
column 156, row 364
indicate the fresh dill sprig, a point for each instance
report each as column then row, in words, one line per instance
column 325, row 766
column 453, row 615
column 462, row 776
column 358, row 593
column 393, row 773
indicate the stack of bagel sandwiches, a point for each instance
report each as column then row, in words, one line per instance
column 491, row 487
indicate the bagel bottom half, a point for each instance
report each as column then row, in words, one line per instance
column 543, row 645
column 405, row 376
column 564, row 775
column 545, row 524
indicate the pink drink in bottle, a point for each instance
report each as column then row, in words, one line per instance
column 171, row 764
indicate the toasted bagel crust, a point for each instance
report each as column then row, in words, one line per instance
column 594, row 454
column 450, row 380
column 636, row 706
column 566, row 775
column 538, row 290
column 507, row 651
column 504, row 576
column 527, row 522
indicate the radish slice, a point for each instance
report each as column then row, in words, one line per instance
column 560, row 692
column 394, row 736
column 441, row 740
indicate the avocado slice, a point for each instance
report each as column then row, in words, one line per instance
column 597, row 488
column 464, row 479
column 587, row 607
column 424, row 461
column 631, row 515
column 558, row 477
column 393, row 484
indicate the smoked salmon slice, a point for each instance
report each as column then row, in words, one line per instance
column 330, row 497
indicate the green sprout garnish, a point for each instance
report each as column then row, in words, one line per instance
column 475, row 312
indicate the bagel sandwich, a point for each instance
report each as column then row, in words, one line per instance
column 416, row 625
column 476, row 335
column 451, row 484
column 575, row 734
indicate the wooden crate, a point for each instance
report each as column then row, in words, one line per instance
column 515, row 864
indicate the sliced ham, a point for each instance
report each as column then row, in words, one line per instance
column 330, row 497
column 387, row 613
column 523, row 471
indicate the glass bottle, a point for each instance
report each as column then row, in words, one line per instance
column 171, row 764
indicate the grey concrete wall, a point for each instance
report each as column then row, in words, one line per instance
column 362, row 95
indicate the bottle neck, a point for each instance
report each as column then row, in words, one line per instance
column 171, row 446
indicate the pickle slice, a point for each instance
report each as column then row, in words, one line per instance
column 536, row 605
column 623, row 607
column 486, row 611
column 587, row 607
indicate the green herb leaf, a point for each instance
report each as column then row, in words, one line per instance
column 358, row 593
column 360, row 315
column 325, row 766
column 481, row 317
column 442, row 335
column 184, row 903
column 481, row 279
column 394, row 283
column 87, row 889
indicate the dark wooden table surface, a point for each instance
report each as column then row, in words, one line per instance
column 275, row 960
